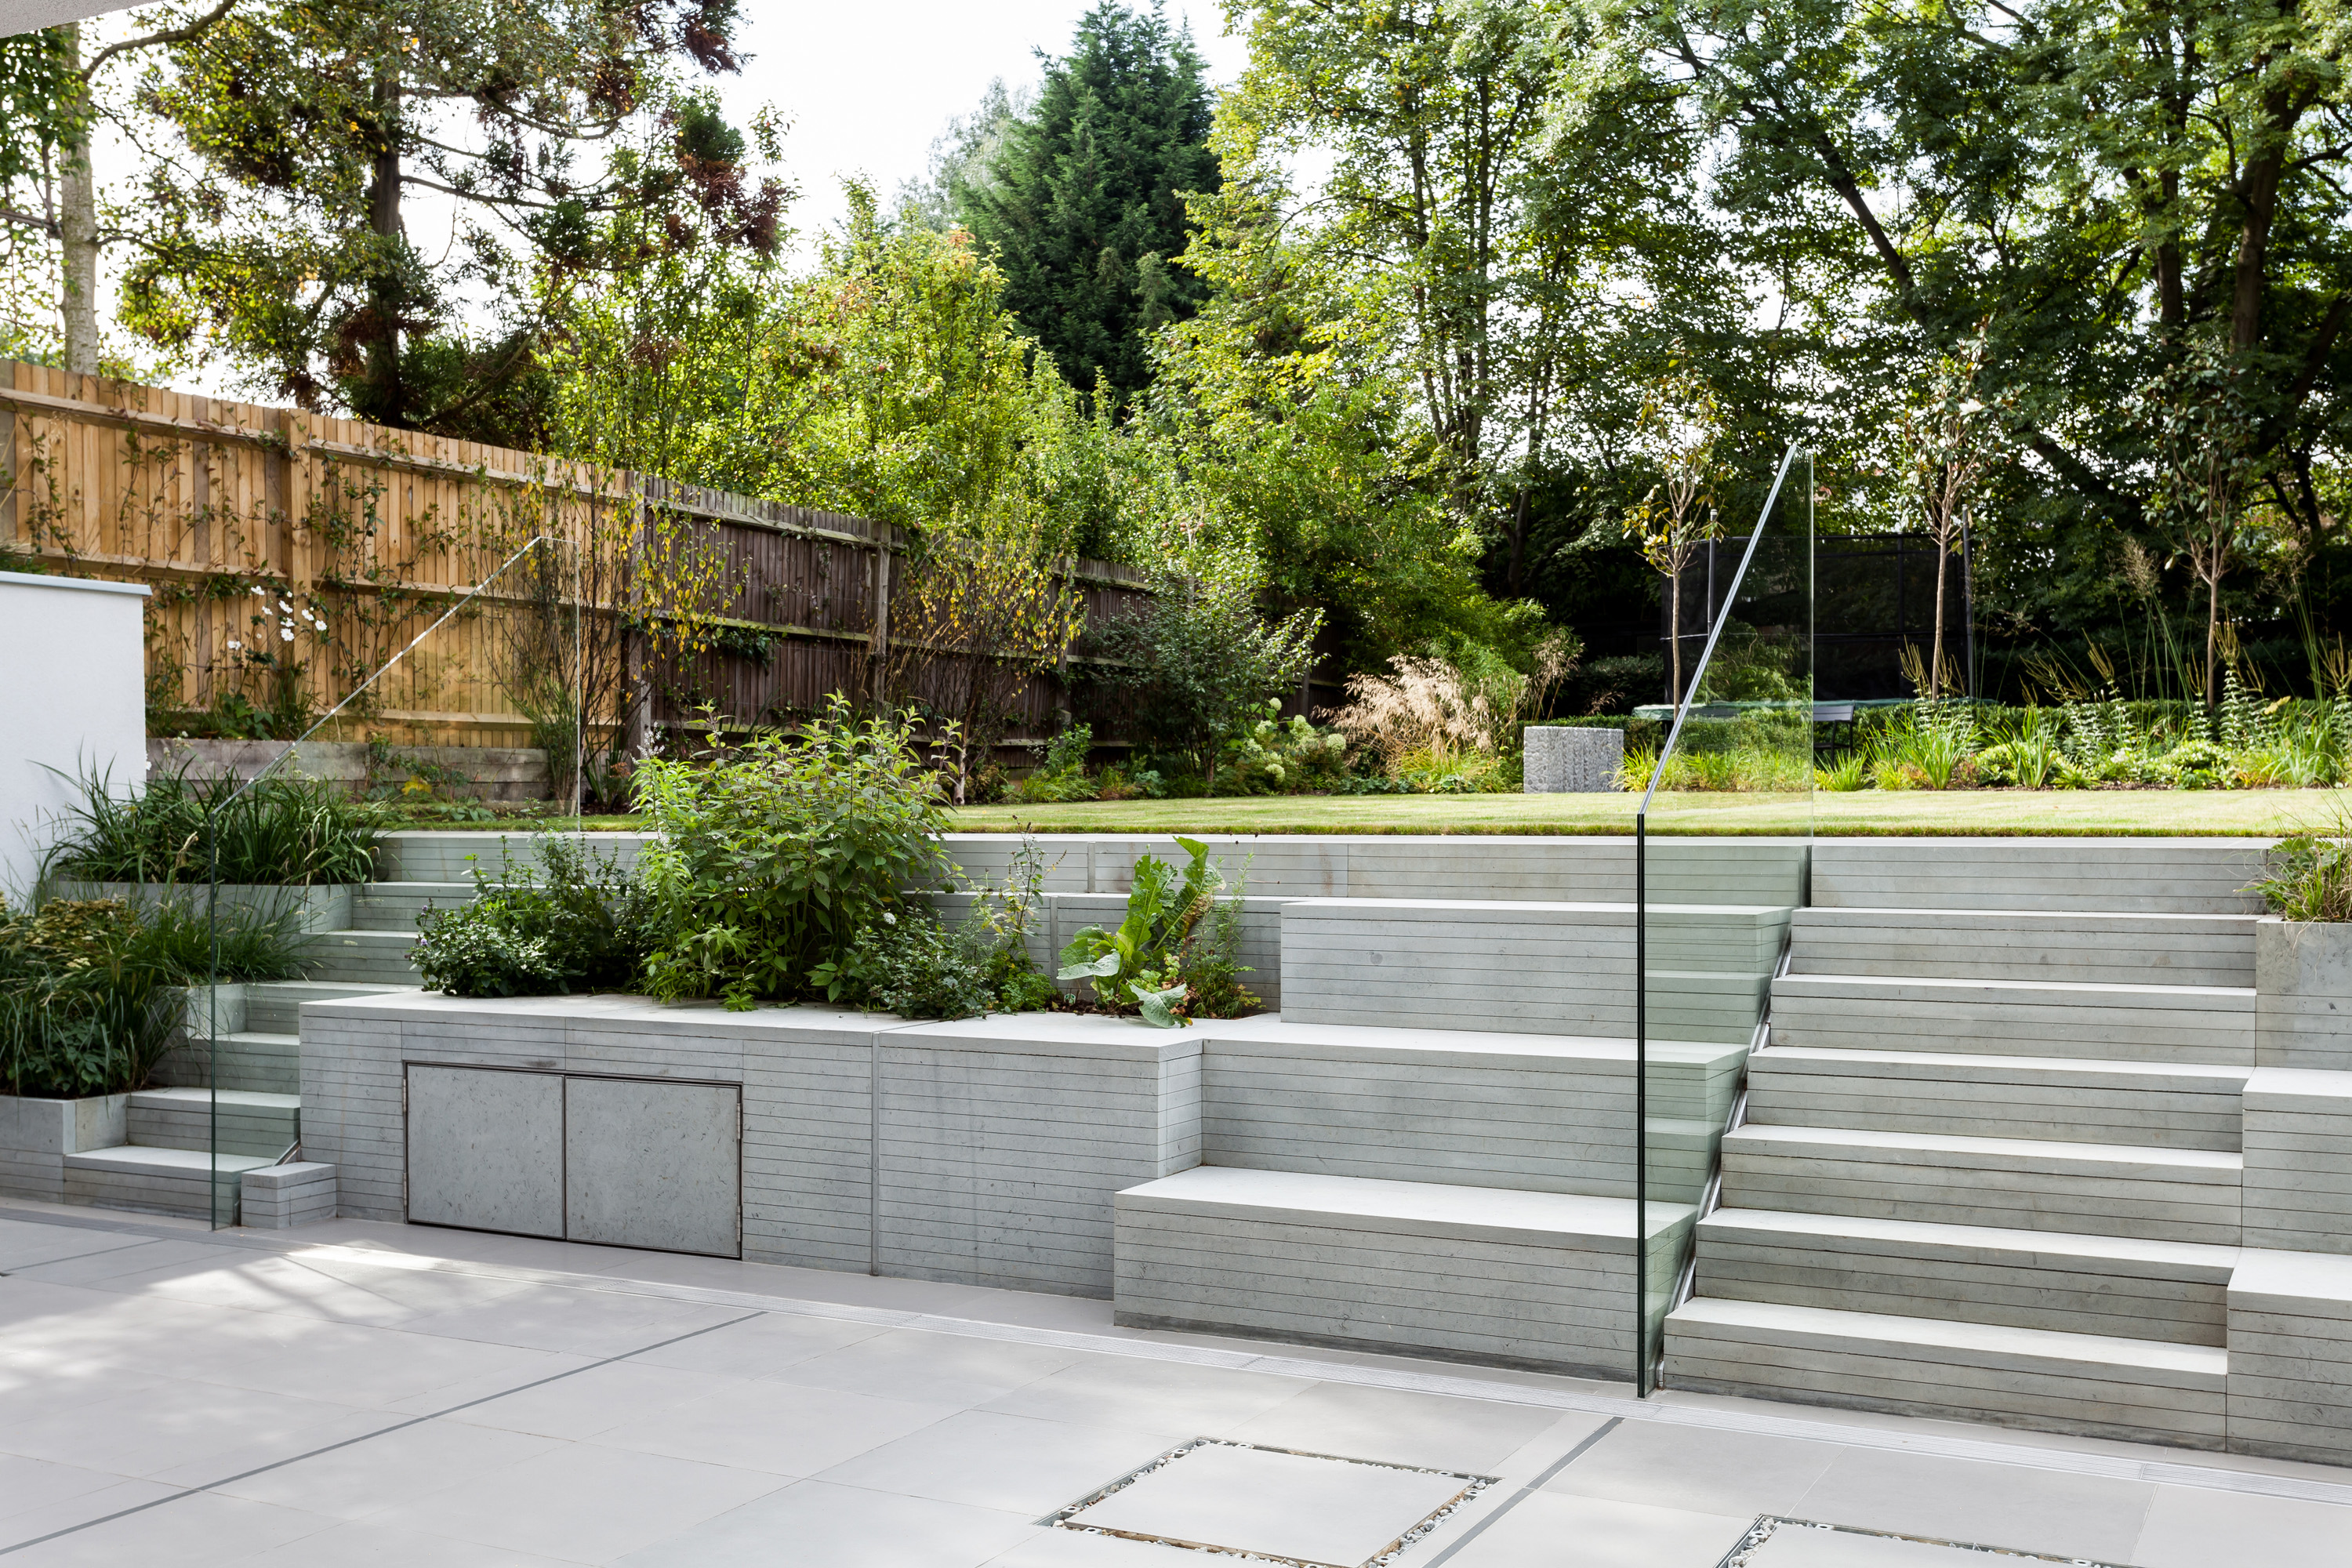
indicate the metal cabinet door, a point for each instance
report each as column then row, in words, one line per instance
column 486, row 1149
column 655, row 1165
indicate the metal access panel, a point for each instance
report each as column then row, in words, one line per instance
column 654, row 1162
column 625, row 1161
column 486, row 1149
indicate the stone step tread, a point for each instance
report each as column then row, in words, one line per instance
column 239, row 1099
column 1427, row 1206
column 320, row 990
column 415, row 889
column 1986, row 1065
column 146, row 1160
column 356, row 934
column 1347, row 1040
column 2024, row 1346
column 1959, row 921
column 1830, row 1142
column 2061, row 992
column 1794, row 1229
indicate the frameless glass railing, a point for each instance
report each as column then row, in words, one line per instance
column 283, row 893
column 1722, row 852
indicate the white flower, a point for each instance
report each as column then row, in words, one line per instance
column 234, row 645
column 288, row 635
column 257, row 592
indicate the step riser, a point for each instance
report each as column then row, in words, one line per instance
column 400, row 912
column 2136, row 875
column 2091, row 1203
column 371, row 958
column 1511, row 1121
column 188, row 1195
column 1807, row 1016
column 2056, row 957
column 2182, row 1410
column 242, row 1131
column 1531, row 968
column 240, row 1066
column 1811, row 1272
column 1948, row 1101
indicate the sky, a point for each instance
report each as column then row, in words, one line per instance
column 868, row 86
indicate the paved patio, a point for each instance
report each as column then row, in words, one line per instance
column 362, row 1394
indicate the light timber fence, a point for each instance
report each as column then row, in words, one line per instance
column 291, row 554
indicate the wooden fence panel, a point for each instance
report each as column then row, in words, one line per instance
column 377, row 532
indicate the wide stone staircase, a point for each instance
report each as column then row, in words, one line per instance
column 1991, row 1161
column 1432, row 1148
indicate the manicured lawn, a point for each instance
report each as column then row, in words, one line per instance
column 2170, row 812
column 2263, row 813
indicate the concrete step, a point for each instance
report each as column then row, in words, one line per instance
column 2290, row 1356
column 1536, row 968
column 276, row 1008
column 157, row 1181
column 2120, row 876
column 2170, row 1291
column 244, row 1122
column 395, row 906
column 2135, row 1390
column 366, row 957
column 2017, row 1183
column 451, row 855
column 2208, row 1023
column 1488, row 1108
column 2020, row 944
column 2167, row 1105
column 1534, row 1280
column 249, row 1061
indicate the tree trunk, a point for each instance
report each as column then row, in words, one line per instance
column 2258, row 193
column 1675, row 636
column 383, row 221
column 2212, row 638
column 78, row 238
column 1518, row 541
column 1936, row 659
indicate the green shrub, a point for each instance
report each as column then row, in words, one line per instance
column 2308, row 877
column 909, row 964
column 2198, row 764
column 85, row 1008
column 1176, row 955
column 1271, row 757
column 574, row 923
column 1061, row 774
column 770, row 865
column 283, row 829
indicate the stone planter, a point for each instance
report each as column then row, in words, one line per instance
column 2303, row 996
column 36, row 1136
column 1564, row 759
column 324, row 906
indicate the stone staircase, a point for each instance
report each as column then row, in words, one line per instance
column 167, row 1163
column 1992, row 1156
column 1432, row 1148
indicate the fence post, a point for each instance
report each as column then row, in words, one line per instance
column 877, row 648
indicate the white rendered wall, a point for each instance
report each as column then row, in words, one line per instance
column 73, row 681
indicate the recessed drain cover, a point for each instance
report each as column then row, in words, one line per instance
column 1272, row 1505
column 1804, row 1543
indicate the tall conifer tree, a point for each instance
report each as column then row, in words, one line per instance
column 1081, row 204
